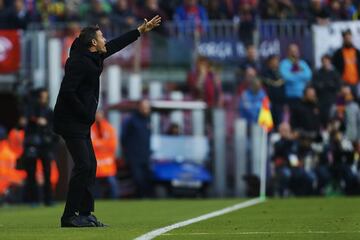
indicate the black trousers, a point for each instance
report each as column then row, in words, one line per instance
column 31, row 154
column 80, row 197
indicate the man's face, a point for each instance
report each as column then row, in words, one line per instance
column 43, row 97
column 348, row 39
column 310, row 95
column 100, row 42
column 144, row 107
column 251, row 53
column 294, row 51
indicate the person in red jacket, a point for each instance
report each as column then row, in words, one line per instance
column 104, row 140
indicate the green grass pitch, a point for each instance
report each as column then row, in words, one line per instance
column 334, row 218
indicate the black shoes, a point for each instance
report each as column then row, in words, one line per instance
column 94, row 220
column 81, row 221
column 76, row 221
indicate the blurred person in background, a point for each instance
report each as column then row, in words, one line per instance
column 296, row 74
column 275, row 88
column 244, row 81
column 336, row 10
column 278, row 9
column 342, row 167
column 51, row 12
column 217, row 10
column 10, row 177
column 74, row 114
column 98, row 14
column 347, row 61
column 204, row 84
column 19, row 17
column 16, row 138
column 347, row 112
column 326, row 82
column 4, row 15
column 251, row 100
column 104, row 140
column 191, row 17
column 251, row 60
column 135, row 142
column 317, row 13
column 305, row 118
column 152, row 8
column 306, row 122
column 246, row 16
column 173, row 130
column 122, row 15
column 38, row 144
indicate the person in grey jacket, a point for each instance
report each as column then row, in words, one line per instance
column 348, row 112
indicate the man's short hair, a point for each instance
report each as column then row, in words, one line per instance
column 346, row 32
column 87, row 34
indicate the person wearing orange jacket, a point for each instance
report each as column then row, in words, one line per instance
column 104, row 140
column 9, row 175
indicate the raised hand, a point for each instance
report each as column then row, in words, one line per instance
column 149, row 25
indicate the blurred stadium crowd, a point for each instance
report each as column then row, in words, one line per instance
column 20, row 13
column 314, row 133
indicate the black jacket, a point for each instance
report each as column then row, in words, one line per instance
column 339, row 63
column 135, row 139
column 326, row 83
column 78, row 97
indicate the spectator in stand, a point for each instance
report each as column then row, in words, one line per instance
column 191, row 17
column 72, row 10
column 51, row 12
column 244, row 81
column 4, row 16
column 342, row 155
column 135, row 140
column 296, row 74
column 250, row 101
column 347, row 111
column 356, row 15
column 250, row 60
column 217, row 10
column 18, row 15
column 275, row 88
column 347, row 61
column 305, row 118
column 349, row 8
column 97, row 14
column 326, row 82
column 170, row 6
column 205, row 84
column 278, row 9
column 246, row 15
column 151, row 9
column 318, row 13
column 337, row 11
column 122, row 15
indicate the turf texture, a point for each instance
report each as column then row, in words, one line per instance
column 311, row 218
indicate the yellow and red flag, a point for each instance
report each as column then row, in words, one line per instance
column 265, row 119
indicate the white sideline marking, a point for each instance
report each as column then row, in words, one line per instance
column 261, row 233
column 159, row 231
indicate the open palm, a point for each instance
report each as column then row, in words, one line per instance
column 149, row 25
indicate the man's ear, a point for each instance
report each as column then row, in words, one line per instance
column 93, row 41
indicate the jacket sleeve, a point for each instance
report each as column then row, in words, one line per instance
column 121, row 42
column 285, row 71
column 69, row 87
column 306, row 74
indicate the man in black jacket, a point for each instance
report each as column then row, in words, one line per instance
column 327, row 82
column 75, row 113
